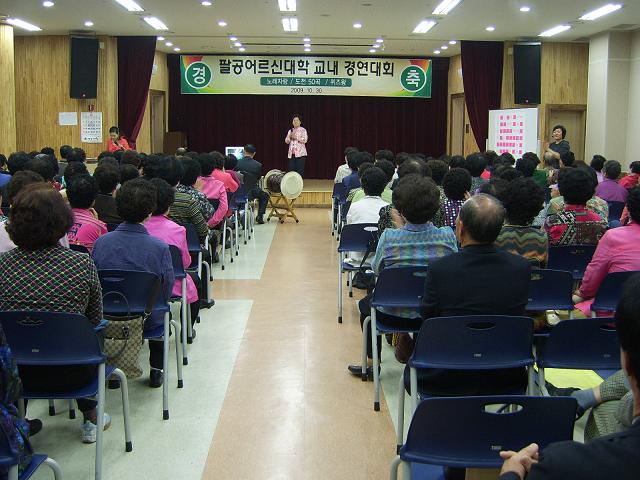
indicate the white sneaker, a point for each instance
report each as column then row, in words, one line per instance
column 89, row 430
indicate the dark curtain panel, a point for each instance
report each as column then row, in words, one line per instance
column 212, row 122
column 135, row 61
column 482, row 77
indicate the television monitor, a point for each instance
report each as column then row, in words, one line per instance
column 237, row 151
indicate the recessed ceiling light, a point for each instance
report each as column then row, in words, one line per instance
column 357, row 25
column 376, row 45
column 424, row 26
column 373, row 50
column 233, row 39
column 206, row 3
column 160, row 39
column 242, row 49
column 16, row 22
column 307, row 44
column 169, row 44
column 602, row 11
column 437, row 52
column 88, row 23
column 48, row 4
column 379, row 40
column 555, row 30
column 290, row 24
column 237, row 44
column 307, row 49
column 452, row 42
column 176, row 49
column 525, row 9
column 222, row 23
column 444, row 47
column 156, row 23
column 445, row 7
column 306, row 39
column 287, row 5
column 130, row 5
column 490, row 28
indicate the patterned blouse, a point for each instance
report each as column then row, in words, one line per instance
column 297, row 146
column 595, row 204
column 200, row 198
column 51, row 279
column 528, row 242
column 575, row 225
column 450, row 210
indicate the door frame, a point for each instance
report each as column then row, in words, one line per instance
column 152, row 94
column 452, row 97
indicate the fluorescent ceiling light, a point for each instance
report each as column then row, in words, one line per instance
column 376, row 45
column 307, row 49
column 130, row 5
column 306, row 39
column 424, row 26
column 555, row 30
column 169, row 44
column 490, row 28
column 206, row 3
column 445, row 7
column 443, row 47
column 373, row 50
column 222, row 23
column 602, row 11
column 160, row 39
column 452, row 42
column 241, row 49
column 176, row 49
column 525, row 9
column 437, row 52
column 156, row 23
column 48, row 4
column 16, row 22
column 379, row 40
column 357, row 25
column 233, row 39
column 287, row 5
column 307, row 44
column 290, row 24
column 237, row 44
column 88, row 23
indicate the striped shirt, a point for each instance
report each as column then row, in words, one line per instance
column 575, row 225
column 528, row 242
column 185, row 210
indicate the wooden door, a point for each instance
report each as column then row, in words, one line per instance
column 456, row 140
column 574, row 120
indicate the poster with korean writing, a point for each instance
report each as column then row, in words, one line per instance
column 514, row 130
column 363, row 76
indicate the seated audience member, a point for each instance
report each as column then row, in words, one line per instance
column 355, row 159
column 218, row 173
column 475, row 164
column 575, row 224
column 439, row 169
column 191, row 172
column 252, row 171
column 130, row 157
column 76, row 155
column 17, row 161
column 399, row 160
column 107, row 178
column 171, row 233
column 414, row 242
column 344, row 169
column 465, row 283
column 388, row 169
column 457, row 185
column 64, row 151
column 128, row 172
column 594, row 204
column 457, row 161
column 612, row 456
column 618, row 251
column 43, row 165
column 490, row 156
column 230, row 164
column 73, row 168
column 86, row 227
column 39, row 274
column 507, row 159
column 181, row 151
column 361, row 169
column 496, row 187
column 528, row 166
column 507, row 173
column 4, row 177
column 597, row 163
column 608, row 189
column 631, row 180
column 130, row 247
column 522, row 202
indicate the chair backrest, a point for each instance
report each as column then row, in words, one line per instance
column 78, row 248
column 461, row 432
column 356, row 237
column 615, row 210
column 193, row 240
column 609, row 292
column 51, row 338
column 129, row 292
column 249, row 180
column 112, row 226
column 550, row 290
column 571, row 258
column 241, row 195
column 176, row 262
column 476, row 342
column 401, row 287
column 583, row 344
column 345, row 209
column 339, row 191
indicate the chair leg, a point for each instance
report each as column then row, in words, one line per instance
column 209, row 273
column 231, row 244
column 237, row 233
column 100, row 423
column 72, row 410
column 52, row 408
column 376, row 361
column 187, row 323
column 400, row 426
column 363, row 363
column 55, row 468
column 21, row 408
column 406, row 471
column 165, row 368
column 541, row 383
column 395, row 463
column 13, row 473
column 350, row 283
column 224, row 241
column 339, row 287
column 413, row 384
column 124, row 388
column 174, row 324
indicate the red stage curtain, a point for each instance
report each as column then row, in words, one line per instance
column 135, row 61
column 482, row 78
column 212, row 122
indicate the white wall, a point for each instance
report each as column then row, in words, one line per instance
column 633, row 122
column 596, row 95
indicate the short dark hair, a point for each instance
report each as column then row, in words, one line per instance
column 523, row 200
column 191, row 172
column 107, row 176
column 417, row 198
column 438, row 170
column 491, row 156
column 575, row 185
column 496, row 187
column 412, row 166
column 349, row 150
column 42, row 165
column 457, row 161
column 218, row 162
column 82, row 191
column 508, row 158
column 612, row 169
column 76, row 155
column 3, row 160
column 597, row 162
column 592, row 174
column 482, row 217
column 506, row 173
column 297, row 115
column 562, row 129
column 353, row 160
column 17, row 161
column 130, row 156
column 373, row 181
column 387, row 167
column 165, row 195
column 401, row 157
column 633, row 204
column 635, row 167
column 74, row 168
column 527, row 166
column 384, row 155
column 136, row 200
column 19, row 181
column 362, row 157
column 249, row 148
column 476, row 163
column 168, row 168
column 38, row 217
column 628, row 323
column 532, row 156
column 363, row 167
column 64, row 151
column 456, row 183
column 114, row 129
column 207, row 163
column 567, row 158
column 48, row 151
column 230, row 162
column 127, row 173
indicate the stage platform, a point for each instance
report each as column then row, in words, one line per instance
column 316, row 193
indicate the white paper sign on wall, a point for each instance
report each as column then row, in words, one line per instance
column 91, row 127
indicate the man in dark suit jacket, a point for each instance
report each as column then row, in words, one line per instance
column 611, row 457
column 478, row 280
column 252, row 171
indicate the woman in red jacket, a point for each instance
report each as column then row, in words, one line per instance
column 116, row 141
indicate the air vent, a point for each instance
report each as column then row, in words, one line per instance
column 625, row 26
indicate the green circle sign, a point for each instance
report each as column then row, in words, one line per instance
column 198, row 75
column 413, row 78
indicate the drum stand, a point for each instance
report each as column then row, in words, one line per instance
column 281, row 207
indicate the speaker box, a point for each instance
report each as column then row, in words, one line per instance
column 526, row 73
column 84, row 67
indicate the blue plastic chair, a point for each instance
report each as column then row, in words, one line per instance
column 463, row 433
column 581, row 344
column 396, row 287
column 8, row 459
column 226, row 227
column 54, row 338
column 571, row 258
column 475, row 342
column 243, row 207
column 609, row 292
column 339, row 192
column 550, row 290
column 127, row 293
column 194, row 247
column 185, row 315
column 615, row 210
column 354, row 238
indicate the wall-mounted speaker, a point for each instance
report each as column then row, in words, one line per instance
column 526, row 73
column 84, row 67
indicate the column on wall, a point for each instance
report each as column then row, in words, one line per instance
column 8, row 89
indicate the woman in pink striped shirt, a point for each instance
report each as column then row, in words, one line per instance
column 86, row 228
column 296, row 139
